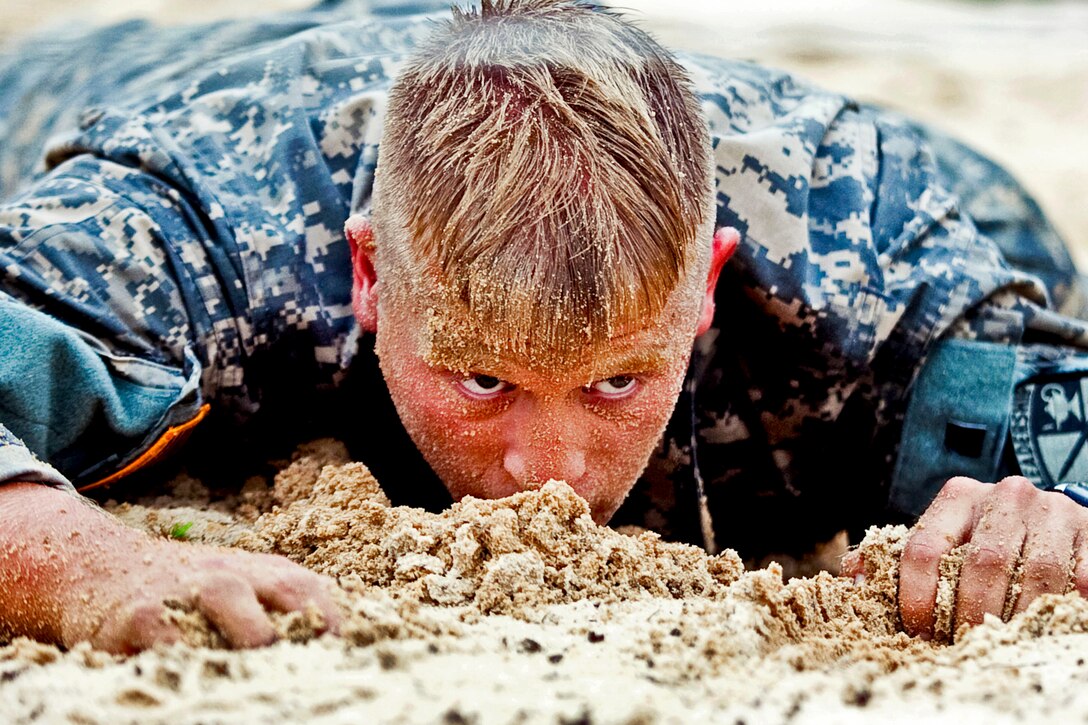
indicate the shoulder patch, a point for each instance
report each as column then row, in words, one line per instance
column 1049, row 429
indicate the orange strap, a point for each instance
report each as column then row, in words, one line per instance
column 169, row 440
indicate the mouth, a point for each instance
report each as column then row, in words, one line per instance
column 503, row 487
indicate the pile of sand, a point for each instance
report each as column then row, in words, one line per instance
column 524, row 610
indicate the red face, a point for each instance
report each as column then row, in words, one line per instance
column 506, row 427
column 496, row 431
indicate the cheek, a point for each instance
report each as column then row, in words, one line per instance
column 455, row 439
column 642, row 427
column 621, row 444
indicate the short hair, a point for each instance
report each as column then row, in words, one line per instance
column 547, row 164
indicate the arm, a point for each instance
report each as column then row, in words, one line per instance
column 98, row 359
column 71, row 573
column 68, row 571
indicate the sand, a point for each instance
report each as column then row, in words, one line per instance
column 524, row 610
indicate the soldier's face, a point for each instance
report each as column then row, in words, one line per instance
column 497, row 428
column 506, row 427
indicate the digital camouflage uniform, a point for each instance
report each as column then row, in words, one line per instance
column 171, row 243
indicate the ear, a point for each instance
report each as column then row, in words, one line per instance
column 364, row 286
column 726, row 240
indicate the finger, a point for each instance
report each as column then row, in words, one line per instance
column 231, row 605
column 945, row 525
column 296, row 592
column 136, row 627
column 852, row 564
column 1049, row 550
column 996, row 543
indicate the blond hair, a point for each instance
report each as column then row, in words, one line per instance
column 545, row 164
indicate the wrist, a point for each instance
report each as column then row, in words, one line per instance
column 53, row 546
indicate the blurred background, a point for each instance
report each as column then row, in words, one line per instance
column 1010, row 78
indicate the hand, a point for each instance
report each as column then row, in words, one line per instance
column 71, row 573
column 122, row 601
column 1005, row 526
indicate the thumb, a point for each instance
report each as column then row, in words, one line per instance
column 853, row 565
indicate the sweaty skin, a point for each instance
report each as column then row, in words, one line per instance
column 507, row 426
column 71, row 573
column 1005, row 525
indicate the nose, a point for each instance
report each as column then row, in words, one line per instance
column 565, row 465
column 541, row 445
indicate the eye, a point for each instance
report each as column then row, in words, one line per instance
column 617, row 386
column 484, row 386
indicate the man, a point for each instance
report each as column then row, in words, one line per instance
column 544, row 238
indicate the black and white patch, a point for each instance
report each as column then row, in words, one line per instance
column 1049, row 429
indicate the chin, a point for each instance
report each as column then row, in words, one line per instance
column 601, row 505
column 603, row 513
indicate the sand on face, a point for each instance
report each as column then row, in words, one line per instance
column 524, row 610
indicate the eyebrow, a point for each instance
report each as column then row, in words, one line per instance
column 646, row 360
column 467, row 354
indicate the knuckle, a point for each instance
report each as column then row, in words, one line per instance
column 143, row 616
column 1016, row 487
column 1072, row 513
column 1045, row 561
column 224, row 585
column 921, row 552
column 295, row 583
column 987, row 560
column 959, row 485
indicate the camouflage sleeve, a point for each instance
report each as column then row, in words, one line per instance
column 101, row 354
column 1000, row 393
column 183, row 240
column 1006, row 214
column 17, row 463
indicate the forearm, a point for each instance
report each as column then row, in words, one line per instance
column 51, row 544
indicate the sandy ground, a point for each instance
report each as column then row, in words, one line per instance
column 524, row 611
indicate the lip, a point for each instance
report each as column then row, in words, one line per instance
column 491, row 489
column 505, row 487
